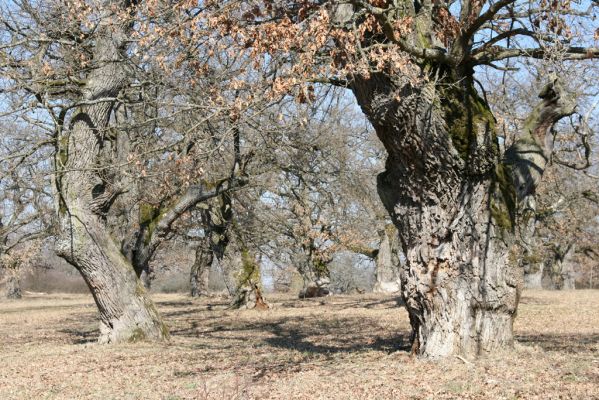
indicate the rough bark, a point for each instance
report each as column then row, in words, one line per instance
column 248, row 294
column 313, row 266
column 124, row 217
column 126, row 312
column 454, row 204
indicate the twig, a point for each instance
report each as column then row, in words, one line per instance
column 464, row 360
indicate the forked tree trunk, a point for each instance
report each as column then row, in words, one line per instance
column 454, row 205
column 126, row 312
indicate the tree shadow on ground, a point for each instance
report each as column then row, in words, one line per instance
column 390, row 302
column 534, row 301
column 287, row 344
column 81, row 336
column 321, row 333
column 314, row 339
column 326, row 336
column 570, row 344
column 208, row 326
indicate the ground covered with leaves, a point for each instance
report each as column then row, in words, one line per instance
column 340, row 347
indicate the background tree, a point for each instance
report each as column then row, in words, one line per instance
column 453, row 196
column 133, row 93
column 25, row 204
column 564, row 211
column 113, row 140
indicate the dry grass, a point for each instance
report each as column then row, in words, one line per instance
column 337, row 348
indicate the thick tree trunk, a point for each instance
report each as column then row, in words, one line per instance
column 551, row 270
column 200, row 270
column 454, row 205
column 568, row 273
column 248, row 294
column 558, row 273
column 216, row 219
column 387, row 263
column 533, row 275
column 316, row 277
column 126, row 312
column 13, row 286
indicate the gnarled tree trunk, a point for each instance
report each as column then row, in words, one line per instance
column 200, row 270
column 126, row 312
column 216, row 219
column 558, row 273
column 316, row 276
column 248, row 293
column 454, row 203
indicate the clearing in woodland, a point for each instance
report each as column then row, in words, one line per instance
column 340, row 347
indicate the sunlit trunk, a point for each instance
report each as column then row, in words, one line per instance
column 455, row 204
column 126, row 312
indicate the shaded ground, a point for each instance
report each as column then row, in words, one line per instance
column 343, row 347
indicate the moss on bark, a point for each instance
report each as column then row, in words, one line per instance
column 503, row 200
column 465, row 112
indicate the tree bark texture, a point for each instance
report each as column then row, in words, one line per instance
column 454, row 203
column 126, row 312
column 313, row 266
column 248, row 294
